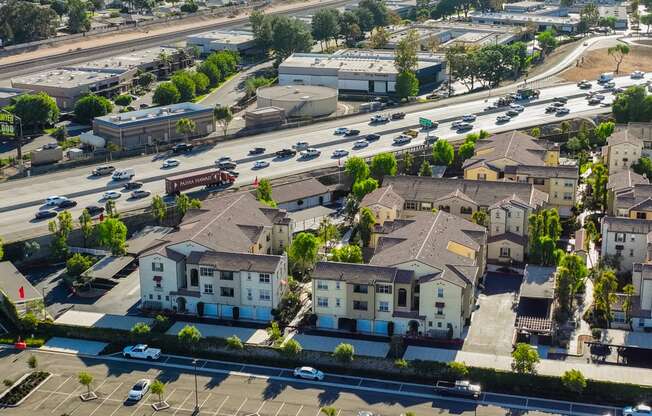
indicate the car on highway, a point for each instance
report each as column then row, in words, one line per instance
column 140, row 193
column 402, row 139
column 469, row 117
column 378, row 118
column 286, row 153
column 464, row 126
column 68, row 203
column 341, row 130
column 111, row 195
column 582, row 82
column 411, row 132
column 372, row 137
column 551, row 109
column 143, row 105
column 103, row 170
column 352, row 132
column 512, row 113
column 182, row 148
column 310, row 152
column 55, row 200
column 170, row 163
column 308, row 373
column 455, row 124
column 300, row 145
column 562, row 111
column 398, row 116
column 94, row 210
column 610, row 85
column 130, row 186
column 360, row 144
column 227, row 164
column 503, row 118
column 338, row 153
column 594, row 101
column 141, row 351
column 139, row 390
column 618, row 90
column 257, row 151
column 223, row 159
column 637, row 75
column 639, row 410
column 430, row 140
column 517, row 107
column 560, row 100
column 234, row 172
column 261, row 164
column 586, row 86
column 43, row 214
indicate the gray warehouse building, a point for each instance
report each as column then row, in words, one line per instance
column 153, row 125
column 223, row 40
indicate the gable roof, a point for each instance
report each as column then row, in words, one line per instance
column 627, row 225
column 11, row 280
column 634, row 195
column 561, row 171
column 482, row 193
column 236, row 262
column 514, row 145
column 384, row 196
column 625, row 179
column 359, row 273
column 302, row 189
column 624, row 136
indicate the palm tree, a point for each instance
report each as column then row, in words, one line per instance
column 186, row 127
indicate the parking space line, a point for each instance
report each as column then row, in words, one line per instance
column 105, row 399
column 171, row 393
column 338, row 412
column 299, row 411
column 51, row 393
column 66, row 399
column 217, row 412
column 318, row 411
column 261, row 407
column 238, row 411
column 183, row 403
column 400, row 388
column 279, row 409
column 205, row 400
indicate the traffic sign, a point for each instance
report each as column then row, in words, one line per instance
column 424, row 122
column 7, row 125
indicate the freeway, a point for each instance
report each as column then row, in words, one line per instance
column 234, row 389
column 22, row 198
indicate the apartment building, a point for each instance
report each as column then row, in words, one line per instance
column 559, row 182
column 225, row 260
column 508, row 205
column 620, row 188
column 623, row 149
column 626, row 239
column 640, row 316
column 632, row 202
column 421, row 279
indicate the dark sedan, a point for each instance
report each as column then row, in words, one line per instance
column 130, row 186
column 352, row 132
column 94, row 210
column 257, row 151
column 68, row 203
column 41, row 215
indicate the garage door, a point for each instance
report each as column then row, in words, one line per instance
column 264, row 314
column 210, row 309
column 364, row 325
column 380, row 327
column 227, row 311
column 325, row 322
column 400, row 327
column 246, row 312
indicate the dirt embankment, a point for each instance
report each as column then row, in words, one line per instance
column 595, row 62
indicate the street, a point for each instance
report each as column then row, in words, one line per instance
column 22, row 198
column 236, row 390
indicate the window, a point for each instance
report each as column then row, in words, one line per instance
column 194, row 277
column 206, row 271
column 482, row 176
column 569, row 184
column 620, row 237
column 322, row 302
column 264, row 278
column 640, row 215
column 440, row 292
column 383, row 306
column 497, row 214
column 466, row 210
column 438, row 324
column 337, row 285
column 321, row 285
column 226, row 275
column 411, row 205
column 158, row 297
column 208, row 288
column 383, row 289
column 151, row 297
column 631, row 252
column 265, row 294
column 360, row 289
column 539, row 181
column 157, row 267
column 440, row 309
column 359, row 305
column 568, row 196
column 517, row 229
column 505, row 251
column 227, row 292
column 250, row 295
column 337, row 302
column 402, row 298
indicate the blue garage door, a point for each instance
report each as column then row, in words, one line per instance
column 364, row 325
column 400, row 327
column 325, row 322
column 263, row 314
column 227, row 311
column 210, row 309
column 380, row 327
column 246, row 312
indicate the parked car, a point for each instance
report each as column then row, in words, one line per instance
column 458, row 388
column 640, row 410
column 257, row 151
column 142, row 351
column 130, row 186
column 68, row 203
column 139, row 390
column 341, row 130
column 338, row 153
column 111, row 195
column 352, row 132
column 503, row 118
column 300, row 145
column 103, row 170
column 286, row 153
column 55, row 200
column 360, row 144
column 402, row 139
column 182, row 148
column 372, row 137
column 140, row 193
column 378, row 118
column 170, row 163
column 261, row 164
column 398, row 116
column 310, row 152
column 94, row 210
column 48, row 213
column 308, row 373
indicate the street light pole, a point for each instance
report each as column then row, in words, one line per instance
column 43, row 296
column 196, row 410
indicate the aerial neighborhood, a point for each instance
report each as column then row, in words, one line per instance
column 326, row 207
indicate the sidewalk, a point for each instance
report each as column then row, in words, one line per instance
column 602, row 372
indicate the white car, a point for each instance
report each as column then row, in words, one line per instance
column 111, row 195
column 310, row 152
column 139, row 390
column 640, row 410
column 55, row 200
column 341, row 130
column 402, row 139
column 638, row 74
column 469, row 117
column 562, row 111
column 141, row 351
column 503, row 119
column 360, row 144
column 516, row 107
column 261, row 164
column 300, row 145
column 338, row 153
column 308, row 373
column 379, row 119
column 223, row 159
column 170, row 163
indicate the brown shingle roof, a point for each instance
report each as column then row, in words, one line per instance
column 385, row 196
column 627, row 225
column 298, row 190
column 358, row 273
column 624, row 136
column 568, row 172
column 513, row 145
column 236, row 262
column 625, row 179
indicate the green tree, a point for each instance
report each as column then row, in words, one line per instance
column 525, row 359
column 465, row 151
column 140, row 328
column 598, row 181
column 291, row 347
column 289, row 35
column 211, row 71
column 383, row 164
column 344, row 353
column 618, row 52
column 24, row 21
column 590, row 15
column 36, row 110
column 327, row 231
column 458, row 370
column 234, row 342
column 185, row 85
column 604, row 288
column 633, row 105
column 146, row 79
column 78, row 264
column 366, row 225
column 86, row 226
column 274, row 332
column 480, row 217
column 123, row 100
column 350, row 28
column 443, row 153
column 112, row 234
column 91, row 106
column 405, row 54
column 347, row 254
column 603, row 131
column 186, row 126
column 60, row 228
column 189, row 335
column 363, row 187
column 223, row 116
column 110, row 210
column 159, row 209
column 325, row 25
column 379, row 38
column 535, row 132
column 408, row 162
column 329, row 411
column 407, row 85
column 85, row 379
column 574, row 381
column 166, row 93
column 303, row 252
column 378, row 10
column 629, row 291
column 158, row 388
column 547, row 41
column 183, row 203
column 264, row 192
column 357, row 168
column 60, row 7
column 78, row 19
column 425, row 169
column 201, row 81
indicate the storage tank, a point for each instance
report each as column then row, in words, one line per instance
column 299, row 100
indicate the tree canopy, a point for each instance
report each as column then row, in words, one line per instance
column 36, row 110
column 633, row 105
column 26, row 21
column 347, row 254
column 166, row 93
column 303, row 252
column 91, row 106
column 443, row 153
column 383, row 164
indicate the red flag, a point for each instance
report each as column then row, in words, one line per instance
column 256, row 182
column 21, row 293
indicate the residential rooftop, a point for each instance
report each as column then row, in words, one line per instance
column 384, row 196
column 11, row 280
column 359, row 273
column 68, row 77
column 235, row 37
column 627, row 225
column 514, row 145
column 568, row 172
column 302, row 189
column 624, row 180
column 235, row 262
column 538, row 282
column 131, row 60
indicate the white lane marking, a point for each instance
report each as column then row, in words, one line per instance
column 260, row 408
column 69, row 395
column 298, row 411
column 184, row 402
column 238, row 411
column 51, row 393
column 105, row 399
column 318, row 411
column 141, row 403
column 338, row 412
column 217, row 412
column 279, row 409
column 205, row 400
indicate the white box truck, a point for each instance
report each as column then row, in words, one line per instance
column 123, row 174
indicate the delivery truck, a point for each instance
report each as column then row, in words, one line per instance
column 174, row 185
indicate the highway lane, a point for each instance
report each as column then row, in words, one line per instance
column 20, row 199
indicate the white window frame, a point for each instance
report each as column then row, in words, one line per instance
column 322, row 302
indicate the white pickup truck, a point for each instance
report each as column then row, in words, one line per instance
column 141, row 351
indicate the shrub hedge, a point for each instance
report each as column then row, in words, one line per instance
column 16, row 393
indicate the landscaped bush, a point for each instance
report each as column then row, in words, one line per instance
column 24, row 388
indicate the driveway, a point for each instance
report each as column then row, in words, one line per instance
column 101, row 320
column 492, row 325
column 328, row 344
column 74, row 346
column 246, row 335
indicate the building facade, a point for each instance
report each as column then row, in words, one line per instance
column 626, row 240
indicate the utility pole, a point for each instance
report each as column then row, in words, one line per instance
column 196, row 410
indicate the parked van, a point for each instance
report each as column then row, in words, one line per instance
column 605, row 77
column 123, row 174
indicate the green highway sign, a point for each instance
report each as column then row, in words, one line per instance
column 424, row 122
column 7, row 125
